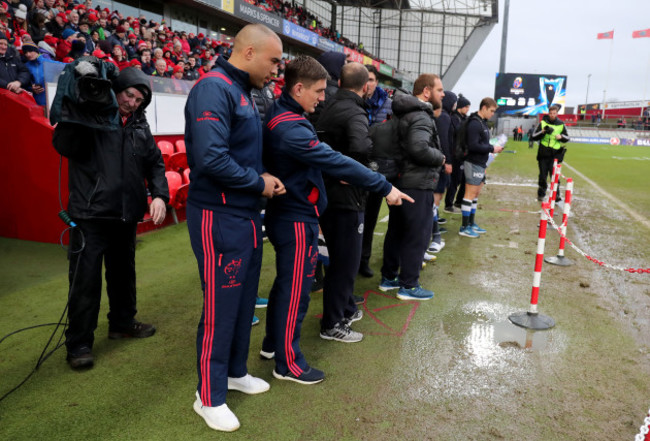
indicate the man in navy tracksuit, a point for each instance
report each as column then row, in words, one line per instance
column 293, row 152
column 223, row 136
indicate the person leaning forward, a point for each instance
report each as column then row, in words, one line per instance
column 223, row 137
column 108, row 196
column 294, row 153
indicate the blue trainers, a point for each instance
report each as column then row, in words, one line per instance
column 478, row 229
column 261, row 302
column 256, row 320
column 468, row 232
column 417, row 293
column 387, row 284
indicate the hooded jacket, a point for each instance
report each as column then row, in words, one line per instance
column 419, row 143
column 294, row 154
column 333, row 63
column 223, row 137
column 108, row 168
column 344, row 126
column 478, row 140
column 445, row 127
column 379, row 106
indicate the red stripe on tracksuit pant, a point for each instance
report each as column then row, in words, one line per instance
column 228, row 251
column 296, row 253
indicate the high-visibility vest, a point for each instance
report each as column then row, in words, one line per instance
column 549, row 139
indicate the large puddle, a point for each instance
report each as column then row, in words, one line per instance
column 475, row 351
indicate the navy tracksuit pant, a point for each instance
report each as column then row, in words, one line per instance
column 228, row 250
column 407, row 238
column 296, row 254
column 343, row 231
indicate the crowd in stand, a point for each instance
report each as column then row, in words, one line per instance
column 35, row 32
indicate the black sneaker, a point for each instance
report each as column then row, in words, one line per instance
column 442, row 220
column 135, row 330
column 365, row 270
column 310, row 376
column 80, row 358
column 458, row 205
column 450, row 210
column 442, row 230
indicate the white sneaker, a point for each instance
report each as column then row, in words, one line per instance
column 429, row 257
column 217, row 418
column 248, row 384
column 436, row 247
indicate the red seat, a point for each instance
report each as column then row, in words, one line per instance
column 167, row 149
column 186, row 176
column 181, row 197
column 174, row 181
column 177, row 162
column 180, row 146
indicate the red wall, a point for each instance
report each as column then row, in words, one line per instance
column 29, row 199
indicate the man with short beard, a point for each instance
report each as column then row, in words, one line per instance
column 409, row 226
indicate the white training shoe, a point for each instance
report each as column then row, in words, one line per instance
column 248, row 384
column 217, row 418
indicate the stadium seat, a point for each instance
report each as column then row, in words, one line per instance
column 181, row 197
column 186, row 176
column 174, row 181
column 177, row 162
column 167, row 149
column 180, row 146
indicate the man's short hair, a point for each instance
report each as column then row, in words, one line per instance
column 303, row 69
column 488, row 102
column 554, row 107
column 354, row 76
column 424, row 81
column 372, row 69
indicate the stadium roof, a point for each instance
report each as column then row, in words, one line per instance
column 466, row 7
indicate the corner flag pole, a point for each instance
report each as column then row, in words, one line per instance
column 609, row 65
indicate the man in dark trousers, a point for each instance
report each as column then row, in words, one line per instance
column 379, row 109
column 409, row 226
column 108, row 197
column 457, row 183
column 552, row 135
column 343, row 125
column 223, row 136
column 294, row 154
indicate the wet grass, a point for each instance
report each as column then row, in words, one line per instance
column 458, row 372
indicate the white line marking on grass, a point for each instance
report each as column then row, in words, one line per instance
column 384, row 219
column 513, row 184
column 642, row 220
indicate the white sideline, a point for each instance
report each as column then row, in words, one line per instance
column 615, row 200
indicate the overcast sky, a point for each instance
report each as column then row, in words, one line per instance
column 559, row 37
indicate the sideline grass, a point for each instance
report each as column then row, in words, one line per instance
column 459, row 372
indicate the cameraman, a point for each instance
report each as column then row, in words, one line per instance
column 551, row 134
column 107, row 173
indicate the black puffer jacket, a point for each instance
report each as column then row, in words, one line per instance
column 344, row 126
column 263, row 99
column 333, row 62
column 108, row 168
column 419, row 143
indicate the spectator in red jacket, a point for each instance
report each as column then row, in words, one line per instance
column 119, row 55
column 64, row 46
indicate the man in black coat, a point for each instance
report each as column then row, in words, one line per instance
column 14, row 75
column 409, row 226
column 343, row 125
column 108, row 197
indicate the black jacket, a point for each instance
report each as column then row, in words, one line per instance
column 419, row 143
column 108, row 168
column 478, row 141
column 445, row 127
column 263, row 99
column 13, row 69
column 333, row 63
column 344, row 126
column 457, row 120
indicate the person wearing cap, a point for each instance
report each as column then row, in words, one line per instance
column 119, row 55
column 84, row 30
column 34, row 64
column 178, row 72
column 118, row 36
column 64, row 46
column 132, row 46
column 117, row 168
column 135, row 63
column 457, row 184
column 14, row 75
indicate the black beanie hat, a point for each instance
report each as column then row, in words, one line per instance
column 462, row 102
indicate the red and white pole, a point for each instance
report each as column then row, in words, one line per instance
column 532, row 319
column 557, row 168
column 560, row 259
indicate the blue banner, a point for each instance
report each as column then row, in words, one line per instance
column 254, row 14
column 329, row 45
column 299, row 33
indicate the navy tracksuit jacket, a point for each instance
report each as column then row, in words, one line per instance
column 224, row 152
column 293, row 153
